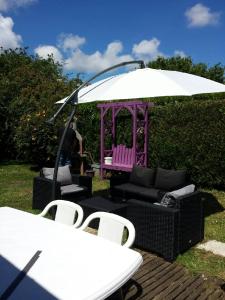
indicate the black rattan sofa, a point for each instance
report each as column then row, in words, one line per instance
column 74, row 190
column 167, row 231
column 147, row 184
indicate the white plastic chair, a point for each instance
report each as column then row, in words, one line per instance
column 66, row 212
column 111, row 227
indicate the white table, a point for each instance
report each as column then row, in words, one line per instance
column 72, row 265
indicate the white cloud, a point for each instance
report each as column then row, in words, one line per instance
column 8, row 38
column 6, row 5
column 70, row 41
column 45, row 50
column 69, row 52
column 97, row 61
column 200, row 16
column 180, row 53
column 147, row 49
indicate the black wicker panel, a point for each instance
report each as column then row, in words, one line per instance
column 42, row 192
column 156, row 228
column 191, row 221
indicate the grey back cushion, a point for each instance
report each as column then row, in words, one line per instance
column 169, row 180
column 63, row 176
column 142, row 176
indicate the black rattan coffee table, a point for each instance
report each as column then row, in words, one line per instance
column 99, row 203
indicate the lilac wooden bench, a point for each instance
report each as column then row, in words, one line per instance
column 122, row 159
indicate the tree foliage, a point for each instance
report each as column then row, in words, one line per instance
column 29, row 87
column 185, row 64
column 185, row 132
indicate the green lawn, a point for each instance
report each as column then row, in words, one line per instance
column 16, row 191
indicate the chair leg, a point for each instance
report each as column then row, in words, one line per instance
column 118, row 295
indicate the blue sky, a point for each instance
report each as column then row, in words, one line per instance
column 88, row 36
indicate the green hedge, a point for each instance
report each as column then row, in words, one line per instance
column 187, row 135
column 185, row 132
column 190, row 135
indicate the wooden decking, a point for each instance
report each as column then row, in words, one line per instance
column 158, row 279
column 161, row 280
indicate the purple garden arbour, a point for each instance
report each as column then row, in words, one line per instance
column 123, row 158
column 73, row 99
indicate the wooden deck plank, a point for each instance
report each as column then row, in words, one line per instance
column 150, row 281
column 160, row 280
column 216, row 295
column 151, row 277
column 153, row 282
column 197, row 292
column 195, row 283
column 175, row 288
column 163, row 282
column 149, row 267
column 155, row 292
column 206, row 294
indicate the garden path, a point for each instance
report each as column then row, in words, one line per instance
column 215, row 247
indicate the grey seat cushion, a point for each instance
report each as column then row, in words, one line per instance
column 71, row 188
column 139, row 191
column 63, row 176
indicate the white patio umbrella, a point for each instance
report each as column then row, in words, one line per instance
column 145, row 83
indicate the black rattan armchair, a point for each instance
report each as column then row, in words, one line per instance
column 167, row 231
column 42, row 190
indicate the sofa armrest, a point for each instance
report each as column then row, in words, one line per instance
column 189, row 199
column 156, row 227
column 118, row 179
column 151, row 207
column 42, row 192
column 83, row 180
column 191, row 220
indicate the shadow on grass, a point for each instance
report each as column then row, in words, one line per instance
column 210, row 204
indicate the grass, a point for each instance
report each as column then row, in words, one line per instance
column 16, row 182
column 16, row 186
column 200, row 261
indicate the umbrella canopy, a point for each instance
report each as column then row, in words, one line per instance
column 145, row 83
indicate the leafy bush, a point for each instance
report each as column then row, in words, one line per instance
column 190, row 135
column 29, row 88
column 184, row 132
column 187, row 134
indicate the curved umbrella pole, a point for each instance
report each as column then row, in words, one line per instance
column 73, row 98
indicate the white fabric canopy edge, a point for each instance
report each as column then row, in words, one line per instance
column 147, row 83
